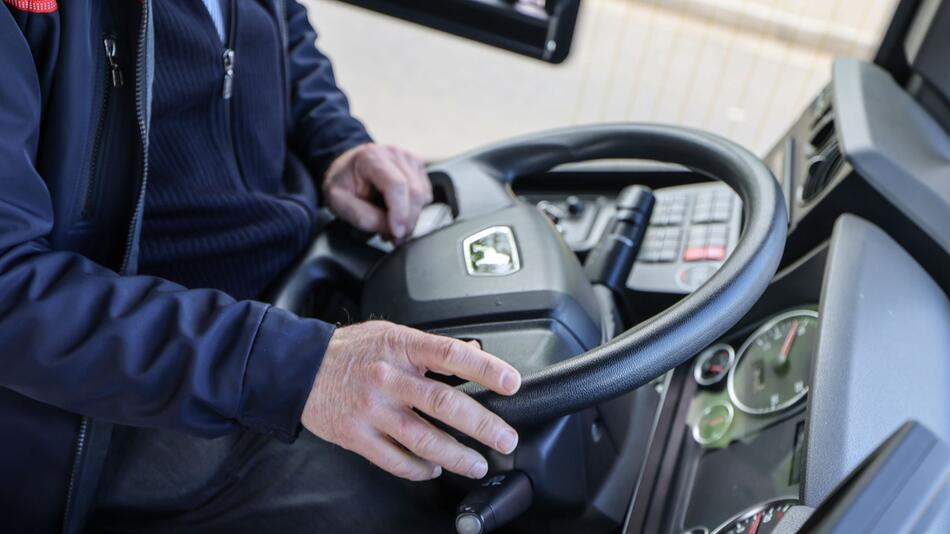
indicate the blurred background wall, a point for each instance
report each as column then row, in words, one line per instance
column 740, row 68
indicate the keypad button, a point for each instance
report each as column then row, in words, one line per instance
column 718, row 230
column 715, row 253
column 649, row 255
column 694, row 254
column 703, row 215
column 667, row 255
column 719, row 215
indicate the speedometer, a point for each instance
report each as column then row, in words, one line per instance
column 773, row 366
column 761, row 519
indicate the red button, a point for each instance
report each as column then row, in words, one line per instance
column 694, row 254
column 715, row 253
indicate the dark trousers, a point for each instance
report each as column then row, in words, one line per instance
column 160, row 481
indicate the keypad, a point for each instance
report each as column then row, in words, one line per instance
column 689, row 227
column 670, row 211
column 712, row 207
column 661, row 244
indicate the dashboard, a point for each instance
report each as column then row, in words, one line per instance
column 752, row 427
column 736, row 463
column 747, row 425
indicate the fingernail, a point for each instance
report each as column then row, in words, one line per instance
column 436, row 472
column 399, row 231
column 479, row 470
column 507, row 441
column 511, row 381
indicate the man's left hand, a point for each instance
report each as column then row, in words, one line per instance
column 367, row 170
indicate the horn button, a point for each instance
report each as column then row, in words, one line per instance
column 505, row 278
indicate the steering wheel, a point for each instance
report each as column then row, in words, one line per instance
column 477, row 184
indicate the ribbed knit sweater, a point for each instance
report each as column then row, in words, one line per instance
column 221, row 211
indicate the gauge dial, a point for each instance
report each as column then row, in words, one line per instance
column 773, row 366
column 714, row 423
column 713, row 364
column 760, row 519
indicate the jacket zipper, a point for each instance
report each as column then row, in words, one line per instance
column 114, row 80
column 227, row 91
column 227, row 88
column 140, row 85
column 141, row 68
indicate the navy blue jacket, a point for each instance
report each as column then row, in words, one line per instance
column 84, row 342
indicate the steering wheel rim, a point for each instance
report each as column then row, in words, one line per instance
column 480, row 184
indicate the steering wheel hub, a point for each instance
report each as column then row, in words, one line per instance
column 504, row 267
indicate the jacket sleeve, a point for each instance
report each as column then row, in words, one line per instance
column 134, row 350
column 322, row 127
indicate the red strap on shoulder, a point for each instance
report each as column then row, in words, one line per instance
column 33, row 6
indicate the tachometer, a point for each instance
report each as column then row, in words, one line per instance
column 773, row 366
column 760, row 519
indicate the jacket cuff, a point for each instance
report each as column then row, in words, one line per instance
column 280, row 371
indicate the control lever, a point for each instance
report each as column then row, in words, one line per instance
column 495, row 503
column 610, row 261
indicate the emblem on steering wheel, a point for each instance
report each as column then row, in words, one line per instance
column 491, row 252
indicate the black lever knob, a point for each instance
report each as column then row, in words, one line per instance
column 609, row 263
column 493, row 504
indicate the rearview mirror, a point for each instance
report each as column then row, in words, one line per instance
column 542, row 29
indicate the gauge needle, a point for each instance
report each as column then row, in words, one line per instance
column 754, row 527
column 787, row 345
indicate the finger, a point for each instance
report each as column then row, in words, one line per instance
column 393, row 459
column 432, row 444
column 449, row 356
column 417, row 169
column 420, row 187
column 456, row 409
column 357, row 211
column 387, row 178
column 416, row 191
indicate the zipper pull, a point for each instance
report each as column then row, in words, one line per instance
column 115, row 71
column 228, row 74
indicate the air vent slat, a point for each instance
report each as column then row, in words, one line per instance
column 822, row 170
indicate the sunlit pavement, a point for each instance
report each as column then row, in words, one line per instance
column 438, row 94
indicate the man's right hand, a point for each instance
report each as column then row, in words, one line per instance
column 372, row 377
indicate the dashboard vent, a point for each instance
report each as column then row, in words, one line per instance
column 821, row 170
column 823, row 128
column 827, row 159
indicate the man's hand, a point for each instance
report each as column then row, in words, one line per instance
column 372, row 377
column 358, row 174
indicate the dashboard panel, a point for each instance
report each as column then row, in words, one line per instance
column 724, row 465
column 746, row 441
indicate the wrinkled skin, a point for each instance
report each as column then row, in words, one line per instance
column 372, row 378
column 397, row 175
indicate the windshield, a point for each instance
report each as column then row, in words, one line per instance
column 743, row 69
